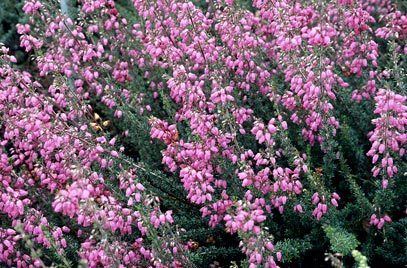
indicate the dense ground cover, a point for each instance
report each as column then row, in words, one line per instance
column 172, row 133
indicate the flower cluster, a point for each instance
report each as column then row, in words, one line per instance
column 379, row 222
column 49, row 157
column 299, row 38
column 208, row 71
column 389, row 135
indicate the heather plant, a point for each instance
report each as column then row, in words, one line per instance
column 279, row 125
column 48, row 163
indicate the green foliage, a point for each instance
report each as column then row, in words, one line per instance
column 204, row 257
column 68, row 7
column 341, row 241
column 393, row 248
column 293, row 249
column 10, row 14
